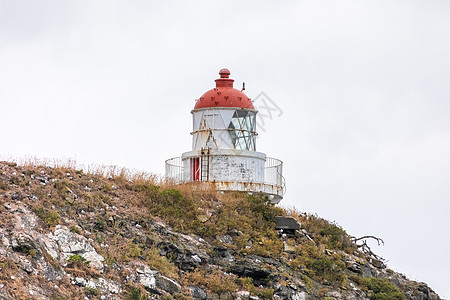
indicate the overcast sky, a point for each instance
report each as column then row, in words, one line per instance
column 362, row 88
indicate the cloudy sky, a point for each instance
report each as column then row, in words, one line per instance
column 362, row 88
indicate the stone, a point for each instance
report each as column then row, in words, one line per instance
column 334, row 294
column 366, row 271
column 282, row 292
column 111, row 286
column 146, row 276
column 26, row 265
column 197, row 292
column 196, row 258
column 4, row 240
column 167, row 284
column 80, row 281
column 71, row 243
column 299, row 296
column 49, row 271
column 22, row 242
column 104, row 285
column 225, row 239
column 286, row 223
column 242, row 295
column 248, row 268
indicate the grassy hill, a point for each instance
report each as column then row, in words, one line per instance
column 65, row 234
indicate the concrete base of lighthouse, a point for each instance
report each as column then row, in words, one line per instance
column 230, row 170
column 224, row 165
column 274, row 193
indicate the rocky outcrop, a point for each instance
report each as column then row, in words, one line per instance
column 62, row 244
column 64, row 234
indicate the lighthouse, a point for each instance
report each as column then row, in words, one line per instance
column 224, row 146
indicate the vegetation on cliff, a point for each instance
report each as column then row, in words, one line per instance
column 133, row 236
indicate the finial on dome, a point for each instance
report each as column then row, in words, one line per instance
column 224, row 73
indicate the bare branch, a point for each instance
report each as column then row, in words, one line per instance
column 366, row 249
column 379, row 240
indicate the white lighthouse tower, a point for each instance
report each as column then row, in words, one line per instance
column 224, row 146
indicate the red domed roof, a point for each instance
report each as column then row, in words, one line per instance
column 224, row 95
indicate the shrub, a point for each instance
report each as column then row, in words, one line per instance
column 251, row 216
column 63, row 187
column 90, row 292
column 379, row 288
column 325, row 232
column 133, row 251
column 75, row 229
column 318, row 265
column 177, row 211
column 136, row 293
column 214, row 280
column 334, row 235
column 78, row 260
column 50, row 217
column 15, row 180
column 261, row 292
column 3, row 185
column 99, row 225
column 160, row 263
column 32, row 253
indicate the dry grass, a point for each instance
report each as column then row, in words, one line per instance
column 213, row 279
column 9, row 271
column 112, row 172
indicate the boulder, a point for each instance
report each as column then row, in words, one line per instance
column 69, row 243
column 299, row 296
column 242, row 295
column 197, row 292
column 286, row 223
column 168, row 285
column 146, row 276
column 248, row 268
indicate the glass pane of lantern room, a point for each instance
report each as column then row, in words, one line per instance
column 235, row 121
column 249, row 140
column 242, row 145
column 243, row 123
column 252, row 121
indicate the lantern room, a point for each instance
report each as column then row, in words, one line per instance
column 224, row 146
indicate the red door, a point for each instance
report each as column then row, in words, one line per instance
column 195, row 169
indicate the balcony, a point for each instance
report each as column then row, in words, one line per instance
column 273, row 184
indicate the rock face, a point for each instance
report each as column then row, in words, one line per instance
column 62, row 244
column 68, row 235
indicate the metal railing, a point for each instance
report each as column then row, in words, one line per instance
column 174, row 170
column 273, row 172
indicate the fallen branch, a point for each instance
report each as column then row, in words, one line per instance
column 379, row 240
column 366, row 249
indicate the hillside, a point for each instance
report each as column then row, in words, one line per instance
column 65, row 234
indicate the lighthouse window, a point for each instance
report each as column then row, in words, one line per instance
column 242, row 130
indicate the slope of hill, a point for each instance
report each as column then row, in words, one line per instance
column 65, row 234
